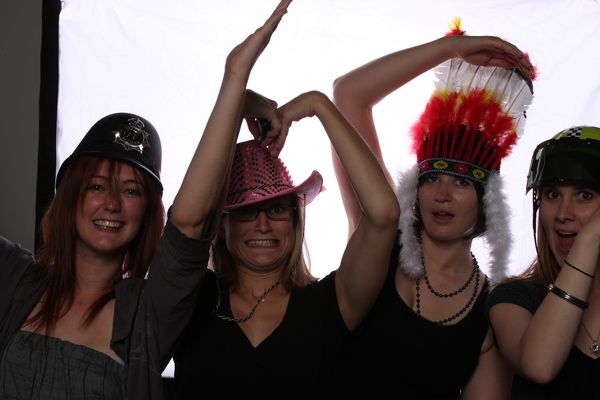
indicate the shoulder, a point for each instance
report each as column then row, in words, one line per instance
column 524, row 294
column 14, row 254
column 15, row 263
column 318, row 289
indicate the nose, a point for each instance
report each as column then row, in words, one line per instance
column 112, row 203
column 443, row 193
column 262, row 223
column 565, row 210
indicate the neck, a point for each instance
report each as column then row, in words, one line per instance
column 256, row 283
column 95, row 273
column 444, row 255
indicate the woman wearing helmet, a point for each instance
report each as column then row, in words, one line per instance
column 547, row 320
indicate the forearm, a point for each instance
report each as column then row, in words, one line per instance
column 556, row 322
column 367, row 85
column 356, row 92
column 200, row 194
column 364, row 172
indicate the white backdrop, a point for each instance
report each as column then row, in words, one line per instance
column 164, row 60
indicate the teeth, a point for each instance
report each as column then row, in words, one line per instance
column 262, row 243
column 566, row 233
column 108, row 224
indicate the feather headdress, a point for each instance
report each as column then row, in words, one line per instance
column 471, row 122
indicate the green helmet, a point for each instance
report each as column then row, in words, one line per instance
column 571, row 156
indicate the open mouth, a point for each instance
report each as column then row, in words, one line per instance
column 565, row 240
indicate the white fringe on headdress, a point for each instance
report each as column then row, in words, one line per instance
column 497, row 227
column 411, row 254
column 497, row 235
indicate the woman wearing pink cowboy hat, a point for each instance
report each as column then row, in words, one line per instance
column 263, row 326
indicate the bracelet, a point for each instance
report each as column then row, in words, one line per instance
column 571, row 299
column 574, row 267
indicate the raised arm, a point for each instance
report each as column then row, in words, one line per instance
column 358, row 91
column 365, row 260
column 537, row 346
column 203, row 188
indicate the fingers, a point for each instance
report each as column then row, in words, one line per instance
column 491, row 51
column 275, row 18
column 507, row 55
column 242, row 58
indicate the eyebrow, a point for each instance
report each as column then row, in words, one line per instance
column 105, row 177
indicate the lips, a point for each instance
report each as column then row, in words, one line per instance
column 442, row 216
column 112, row 225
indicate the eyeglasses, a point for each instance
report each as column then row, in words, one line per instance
column 276, row 212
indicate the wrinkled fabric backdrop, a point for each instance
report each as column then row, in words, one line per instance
column 164, row 61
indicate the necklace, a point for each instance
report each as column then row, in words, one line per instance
column 466, row 307
column 261, row 299
column 594, row 347
column 475, row 268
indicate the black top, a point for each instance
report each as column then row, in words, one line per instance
column 294, row 362
column 399, row 354
column 578, row 378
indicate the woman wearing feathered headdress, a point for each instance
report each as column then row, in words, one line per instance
column 427, row 335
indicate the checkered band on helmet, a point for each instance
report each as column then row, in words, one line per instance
column 256, row 176
column 571, row 156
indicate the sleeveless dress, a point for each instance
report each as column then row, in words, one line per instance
column 396, row 353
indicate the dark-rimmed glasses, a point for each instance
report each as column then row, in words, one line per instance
column 275, row 212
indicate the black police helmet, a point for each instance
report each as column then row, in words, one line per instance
column 123, row 136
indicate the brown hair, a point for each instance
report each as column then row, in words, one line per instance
column 544, row 269
column 56, row 256
column 223, row 265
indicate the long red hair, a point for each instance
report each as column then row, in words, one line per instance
column 56, row 256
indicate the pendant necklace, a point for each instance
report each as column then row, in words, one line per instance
column 594, row 347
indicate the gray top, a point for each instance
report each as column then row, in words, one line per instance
column 34, row 366
column 150, row 314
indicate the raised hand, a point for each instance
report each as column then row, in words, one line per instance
column 490, row 51
column 243, row 57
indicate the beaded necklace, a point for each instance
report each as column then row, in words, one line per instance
column 466, row 307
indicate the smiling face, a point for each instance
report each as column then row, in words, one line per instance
column 111, row 212
column 262, row 244
column 564, row 210
column 449, row 206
